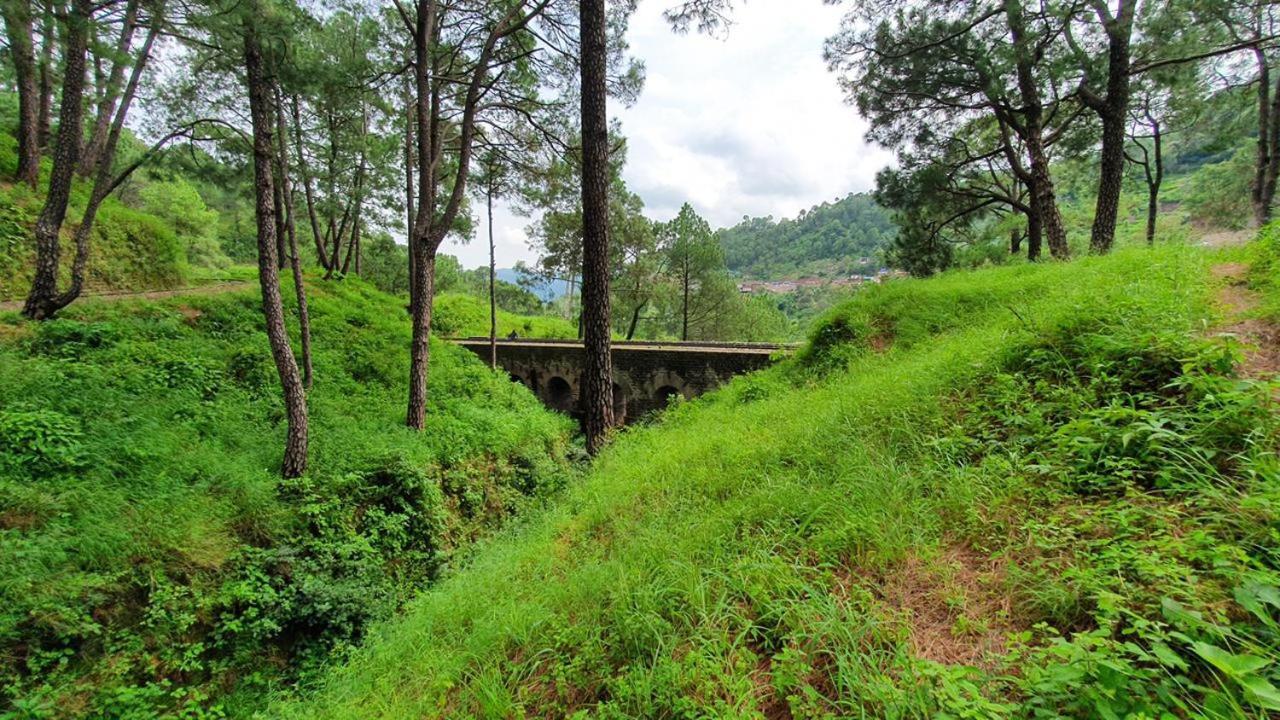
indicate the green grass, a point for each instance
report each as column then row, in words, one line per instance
column 461, row 315
column 1264, row 275
column 1023, row 491
column 152, row 562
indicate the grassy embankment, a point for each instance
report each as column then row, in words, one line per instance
column 462, row 315
column 152, row 563
column 1012, row 492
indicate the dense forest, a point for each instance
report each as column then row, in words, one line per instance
column 245, row 473
column 832, row 239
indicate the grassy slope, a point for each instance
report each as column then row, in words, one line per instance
column 849, row 535
column 461, row 315
column 151, row 559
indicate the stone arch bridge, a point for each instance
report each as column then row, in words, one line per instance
column 646, row 375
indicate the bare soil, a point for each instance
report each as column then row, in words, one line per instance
column 1259, row 338
column 152, row 294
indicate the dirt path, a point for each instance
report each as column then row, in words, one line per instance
column 1260, row 338
column 211, row 289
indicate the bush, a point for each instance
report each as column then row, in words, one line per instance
column 131, row 249
column 155, row 565
column 179, row 204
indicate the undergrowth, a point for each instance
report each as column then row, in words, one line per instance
column 1019, row 492
column 152, row 564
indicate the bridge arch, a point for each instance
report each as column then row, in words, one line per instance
column 663, row 395
column 645, row 374
column 560, row 394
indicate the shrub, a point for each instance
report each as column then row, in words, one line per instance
column 39, row 441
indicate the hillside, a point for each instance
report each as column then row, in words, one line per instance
column 826, row 240
column 1023, row 491
column 153, row 564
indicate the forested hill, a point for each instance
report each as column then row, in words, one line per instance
column 827, row 239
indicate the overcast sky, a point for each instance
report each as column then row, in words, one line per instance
column 749, row 123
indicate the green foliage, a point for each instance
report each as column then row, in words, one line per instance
column 459, row 315
column 17, row 246
column 1218, row 194
column 180, row 205
column 1265, row 269
column 135, row 249
column 153, row 564
column 905, row 528
column 828, row 239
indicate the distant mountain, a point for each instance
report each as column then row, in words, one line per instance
column 825, row 240
column 545, row 290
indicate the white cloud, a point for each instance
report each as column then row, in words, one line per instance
column 750, row 123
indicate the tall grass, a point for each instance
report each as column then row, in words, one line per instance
column 821, row 540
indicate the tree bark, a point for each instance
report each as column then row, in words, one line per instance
column 42, row 302
column 294, row 463
column 308, row 193
column 1035, row 230
column 684, row 303
column 1154, row 171
column 635, row 320
column 422, row 280
column 432, row 224
column 1267, row 164
column 291, row 227
column 1113, row 111
column 408, row 180
column 597, row 377
column 18, row 24
column 1043, row 198
column 420, row 346
column 104, row 182
column 47, row 43
column 493, row 280
column 110, row 93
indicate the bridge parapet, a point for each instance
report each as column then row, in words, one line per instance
column 645, row 374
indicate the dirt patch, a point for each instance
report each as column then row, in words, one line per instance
column 14, row 333
column 952, row 605
column 880, row 342
column 1227, row 238
column 772, row 705
column 1260, row 338
column 213, row 289
column 189, row 314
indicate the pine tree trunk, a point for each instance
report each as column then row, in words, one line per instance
column 408, row 181
column 635, row 320
column 597, row 377
column 294, row 463
column 493, row 282
column 1261, row 203
column 110, row 94
column 684, row 304
column 1035, row 230
column 42, row 300
column 1110, row 184
column 420, row 347
column 291, row 227
column 46, row 76
column 18, row 24
column 1114, row 113
column 308, row 192
column 1043, row 199
column 1273, row 163
column 1154, row 180
column 421, row 245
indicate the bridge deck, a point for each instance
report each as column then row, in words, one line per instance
column 641, row 345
